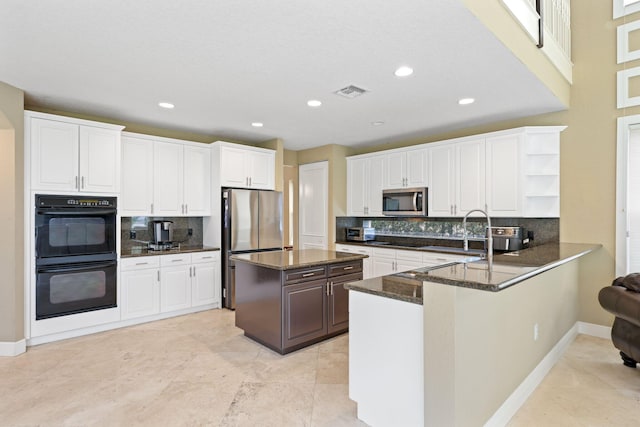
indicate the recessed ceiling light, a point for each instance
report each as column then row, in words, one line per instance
column 314, row 103
column 403, row 71
column 378, row 123
column 257, row 124
column 466, row 101
column 166, row 105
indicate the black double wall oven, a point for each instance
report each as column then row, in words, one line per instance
column 76, row 260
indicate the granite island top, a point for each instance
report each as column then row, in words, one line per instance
column 287, row 260
column 508, row 270
column 137, row 251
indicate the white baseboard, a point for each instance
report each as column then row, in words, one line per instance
column 513, row 403
column 13, row 348
column 594, row 330
column 114, row 325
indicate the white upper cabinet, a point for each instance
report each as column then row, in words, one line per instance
column 470, row 177
column 73, row 155
column 246, row 167
column 165, row 177
column 168, row 179
column 365, row 184
column 442, row 168
column 457, row 177
column 197, row 180
column 406, row 168
column 504, row 183
column 523, row 172
column 136, row 198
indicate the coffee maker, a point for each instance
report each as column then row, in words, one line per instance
column 162, row 235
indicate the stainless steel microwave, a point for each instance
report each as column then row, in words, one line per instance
column 405, row 202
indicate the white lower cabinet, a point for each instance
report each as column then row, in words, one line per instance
column 139, row 287
column 175, row 282
column 168, row 283
column 205, row 279
column 390, row 261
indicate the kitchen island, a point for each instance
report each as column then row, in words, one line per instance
column 287, row 300
column 461, row 345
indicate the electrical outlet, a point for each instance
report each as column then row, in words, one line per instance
column 132, row 234
column 536, row 332
column 190, row 231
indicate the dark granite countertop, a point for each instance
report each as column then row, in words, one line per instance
column 421, row 248
column 508, row 270
column 287, row 260
column 143, row 251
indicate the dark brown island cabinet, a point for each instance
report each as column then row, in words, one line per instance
column 287, row 309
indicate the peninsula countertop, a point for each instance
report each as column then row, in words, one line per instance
column 287, row 260
column 508, row 270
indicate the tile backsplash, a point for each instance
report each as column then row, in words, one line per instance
column 142, row 227
column 545, row 230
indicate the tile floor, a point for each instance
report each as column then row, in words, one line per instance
column 200, row 370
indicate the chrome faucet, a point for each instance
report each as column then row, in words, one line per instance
column 488, row 236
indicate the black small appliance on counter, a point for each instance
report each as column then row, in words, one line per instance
column 508, row 239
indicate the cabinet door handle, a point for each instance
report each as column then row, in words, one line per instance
column 194, row 271
column 349, row 267
column 158, row 275
column 327, row 289
column 250, row 183
column 186, row 208
column 76, row 184
column 451, row 210
column 82, row 182
column 151, row 207
column 308, row 274
column 331, row 288
column 246, row 181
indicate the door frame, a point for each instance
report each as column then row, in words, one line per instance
column 324, row 165
column 626, row 124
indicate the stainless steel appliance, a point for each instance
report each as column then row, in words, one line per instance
column 509, row 239
column 251, row 222
column 405, row 202
column 162, row 231
column 75, row 251
column 360, row 234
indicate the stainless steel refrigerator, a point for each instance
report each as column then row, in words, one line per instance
column 251, row 222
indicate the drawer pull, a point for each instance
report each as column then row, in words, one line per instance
column 177, row 260
column 349, row 267
column 206, row 257
column 308, row 274
column 142, row 263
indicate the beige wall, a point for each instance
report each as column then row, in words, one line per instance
column 12, row 213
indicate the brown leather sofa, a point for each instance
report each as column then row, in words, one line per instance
column 622, row 299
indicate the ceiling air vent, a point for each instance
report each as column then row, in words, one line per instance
column 350, row 91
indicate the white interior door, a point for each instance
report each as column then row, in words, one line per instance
column 313, row 205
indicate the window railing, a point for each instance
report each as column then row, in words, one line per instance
column 548, row 23
column 556, row 19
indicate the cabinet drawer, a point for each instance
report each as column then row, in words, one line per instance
column 198, row 257
column 177, row 259
column 137, row 263
column 409, row 255
column 345, row 268
column 305, row 274
column 384, row 253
